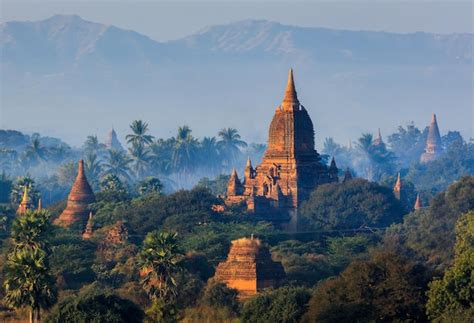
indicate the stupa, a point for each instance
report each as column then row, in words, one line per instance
column 433, row 147
column 249, row 268
column 78, row 201
column 25, row 203
column 418, row 204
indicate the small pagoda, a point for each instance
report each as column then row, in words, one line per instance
column 78, row 201
column 249, row 268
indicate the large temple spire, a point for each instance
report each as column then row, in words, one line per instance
column 290, row 101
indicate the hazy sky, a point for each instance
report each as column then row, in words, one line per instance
column 163, row 20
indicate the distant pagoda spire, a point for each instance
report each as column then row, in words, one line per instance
column 112, row 141
column 378, row 140
column 347, row 175
column 333, row 171
column 25, row 203
column 78, row 201
column 290, row 101
column 40, row 205
column 433, row 146
column 398, row 187
column 89, row 226
column 418, row 204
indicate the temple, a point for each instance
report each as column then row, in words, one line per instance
column 89, row 228
column 25, row 203
column 418, row 204
column 249, row 268
column 112, row 141
column 78, row 201
column 291, row 168
column 433, row 147
column 397, row 188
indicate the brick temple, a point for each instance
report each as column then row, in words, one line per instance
column 78, row 201
column 291, row 168
column 249, row 268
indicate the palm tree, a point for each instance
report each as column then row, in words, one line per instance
column 117, row 163
column 19, row 187
column 158, row 263
column 28, row 282
column 184, row 152
column 27, row 279
column 230, row 145
column 139, row 136
column 141, row 159
column 330, row 147
column 93, row 169
column 209, row 154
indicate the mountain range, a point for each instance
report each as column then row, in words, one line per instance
column 69, row 77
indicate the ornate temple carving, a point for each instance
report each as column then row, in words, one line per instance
column 249, row 268
column 78, row 201
column 291, row 168
column 433, row 147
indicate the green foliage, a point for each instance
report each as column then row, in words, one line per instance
column 71, row 259
column 217, row 186
column 5, row 188
column 304, row 263
column 385, row 288
column 28, row 282
column 286, row 304
column 97, row 306
column 217, row 294
column 149, row 185
column 456, row 162
column 430, row 232
column 351, row 205
column 158, row 261
column 19, row 187
column 343, row 250
column 31, row 230
column 452, row 296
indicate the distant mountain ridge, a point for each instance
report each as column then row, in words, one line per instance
column 65, row 68
column 64, row 41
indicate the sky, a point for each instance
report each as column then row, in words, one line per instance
column 166, row 20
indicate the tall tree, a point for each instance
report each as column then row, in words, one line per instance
column 451, row 299
column 118, row 163
column 93, row 169
column 230, row 144
column 141, row 160
column 158, row 262
column 185, row 151
column 209, row 155
column 28, row 282
column 139, row 136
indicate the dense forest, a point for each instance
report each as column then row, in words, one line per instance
column 363, row 256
